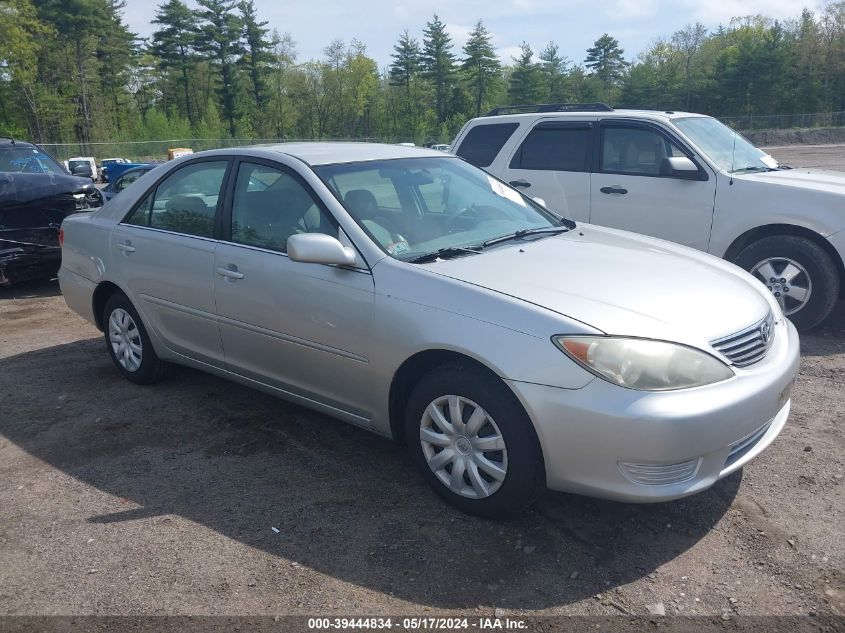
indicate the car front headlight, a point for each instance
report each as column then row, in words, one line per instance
column 644, row 364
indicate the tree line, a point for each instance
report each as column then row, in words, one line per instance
column 72, row 71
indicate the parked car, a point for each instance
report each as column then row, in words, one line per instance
column 124, row 180
column 84, row 166
column 681, row 177
column 410, row 293
column 36, row 194
column 105, row 166
column 442, row 147
column 177, row 152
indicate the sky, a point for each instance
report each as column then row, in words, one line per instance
column 573, row 24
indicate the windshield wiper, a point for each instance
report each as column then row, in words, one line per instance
column 450, row 251
column 526, row 232
column 753, row 168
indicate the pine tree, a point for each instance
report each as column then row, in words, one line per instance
column 173, row 45
column 553, row 69
column 438, row 64
column 403, row 72
column 220, row 32
column 481, row 66
column 606, row 61
column 524, row 86
column 258, row 52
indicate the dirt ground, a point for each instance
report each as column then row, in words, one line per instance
column 811, row 156
column 120, row 499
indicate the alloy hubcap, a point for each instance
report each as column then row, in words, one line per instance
column 787, row 280
column 125, row 339
column 463, row 446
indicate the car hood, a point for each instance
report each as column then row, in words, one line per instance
column 16, row 188
column 828, row 181
column 621, row 284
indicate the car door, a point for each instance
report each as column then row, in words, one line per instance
column 303, row 328
column 163, row 253
column 630, row 188
column 553, row 163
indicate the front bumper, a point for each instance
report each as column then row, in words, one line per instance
column 605, row 441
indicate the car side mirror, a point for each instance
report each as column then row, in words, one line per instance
column 679, row 167
column 81, row 170
column 319, row 248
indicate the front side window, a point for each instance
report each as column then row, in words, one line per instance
column 185, row 201
column 270, row 205
column 555, row 147
column 483, row 142
column 444, row 203
column 636, row 151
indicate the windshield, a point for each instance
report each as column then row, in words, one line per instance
column 415, row 206
column 718, row 141
column 28, row 160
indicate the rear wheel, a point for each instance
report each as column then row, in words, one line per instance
column 473, row 442
column 128, row 343
column 798, row 272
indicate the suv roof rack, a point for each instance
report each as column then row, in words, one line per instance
column 11, row 139
column 550, row 107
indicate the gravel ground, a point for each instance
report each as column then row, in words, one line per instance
column 812, row 156
column 120, row 499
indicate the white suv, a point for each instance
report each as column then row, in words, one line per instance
column 681, row 177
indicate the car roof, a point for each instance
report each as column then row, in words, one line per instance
column 329, row 153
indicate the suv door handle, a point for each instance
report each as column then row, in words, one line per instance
column 614, row 189
column 519, row 183
column 126, row 247
column 229, row 273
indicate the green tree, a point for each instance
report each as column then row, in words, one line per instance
column 220, row 37
column 605, row 60
column 553, row 70
column 524, row 87
column 480, row 65
column 438, row 63
column 173, row 45
column 257, row 58
column 688, row 42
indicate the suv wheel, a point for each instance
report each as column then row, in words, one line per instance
column 473, row 442
column 128, row 343
column 798, row 272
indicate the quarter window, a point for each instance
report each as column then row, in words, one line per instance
column 555, row 147
column 636, row 151
column 482, row 143
column 184, row 202
column 270, row 205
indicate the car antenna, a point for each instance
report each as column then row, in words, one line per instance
column 733, row 160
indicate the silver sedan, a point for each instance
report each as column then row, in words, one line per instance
column 407, row 292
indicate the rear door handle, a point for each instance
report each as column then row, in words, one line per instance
column 229, row 273
column 519, row 183
column 126, row 247
column 614, row 189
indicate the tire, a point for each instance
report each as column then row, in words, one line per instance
column 819, row 275
column 506, row 422
column 144, row 367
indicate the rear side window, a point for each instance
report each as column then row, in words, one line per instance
column 555, row 147
column 483, row 142
column 185, row 201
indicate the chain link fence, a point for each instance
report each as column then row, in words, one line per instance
column 156, row 151
column 750, row 122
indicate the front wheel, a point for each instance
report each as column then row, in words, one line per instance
column 798, row 272
column 473, row 442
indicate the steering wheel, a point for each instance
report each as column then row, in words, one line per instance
column 463, row 219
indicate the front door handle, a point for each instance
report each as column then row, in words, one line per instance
column 615, row 189
column 519, row 183
column 126, row 247
column 229, row 273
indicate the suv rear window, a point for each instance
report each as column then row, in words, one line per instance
column 555, row 147
column 483, row 142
